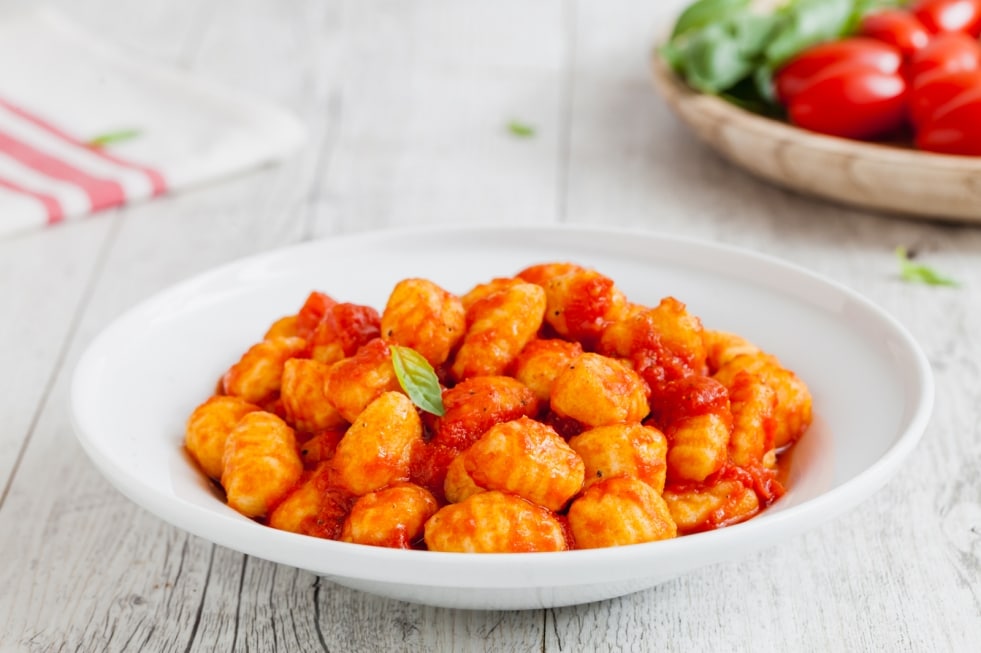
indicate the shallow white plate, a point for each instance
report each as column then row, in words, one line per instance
column 141, row 378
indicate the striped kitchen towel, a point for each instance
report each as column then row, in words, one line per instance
column 86, row 126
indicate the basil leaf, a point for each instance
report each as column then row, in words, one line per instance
column 113, row 137
column 705, row 12
column 916, row 273
column 418, row 379
column 520, row 129
column 753, row 32
column 806, row 23
column 714, row 61
column 719, row 55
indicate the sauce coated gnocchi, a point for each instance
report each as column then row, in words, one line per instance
column 572, row 418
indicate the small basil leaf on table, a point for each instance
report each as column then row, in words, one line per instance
column 520, row 129
column 917, row 273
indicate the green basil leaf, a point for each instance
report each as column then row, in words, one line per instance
column 418, row 379
column 113, row 137
column 717, row 56
column 713, row 60
column 521, row 129
column 705, row 12
column 916, row 273
column 753, row 32
column 806, row 23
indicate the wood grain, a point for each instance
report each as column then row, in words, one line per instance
column 406, row 105
column 63, row 267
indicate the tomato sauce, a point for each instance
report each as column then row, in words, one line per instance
column 688, row 397
column 429, row 465
column 312, row 311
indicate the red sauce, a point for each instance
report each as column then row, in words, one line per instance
column 659, row 366
column 312, row 311
column 319, row 447
column 585, row 314
column 478, row 403
column 762, row 480
column 688, row 397
column 429, row 465
column 354, row 325
column 570, row 539
column 564, row 426
column 335, row 504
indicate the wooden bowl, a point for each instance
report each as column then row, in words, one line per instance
column 869, row 175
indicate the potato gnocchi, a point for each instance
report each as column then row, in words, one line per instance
column 572, row 418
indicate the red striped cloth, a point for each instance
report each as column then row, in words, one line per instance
column 64, row 175
column 60, row 88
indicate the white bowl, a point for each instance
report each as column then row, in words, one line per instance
column 140, row 379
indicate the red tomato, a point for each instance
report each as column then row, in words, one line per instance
column 950, row 52
column 896, row 27
column 949, row 15
column 955, row 128
column 851, row 101
column 800, row 71
column 932, row 91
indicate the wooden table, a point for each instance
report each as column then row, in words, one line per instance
column 407, row 105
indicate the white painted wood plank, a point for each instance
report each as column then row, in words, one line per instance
column 421, row 97
column 44, row 282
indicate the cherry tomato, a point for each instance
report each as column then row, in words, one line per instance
column 949, row 15
column 800, row 71
column 955, row 128
column 949, row 52
column 851, row 101
column 896, row 27
column 932, row 91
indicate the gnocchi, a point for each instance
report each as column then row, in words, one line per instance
column 570, row 417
